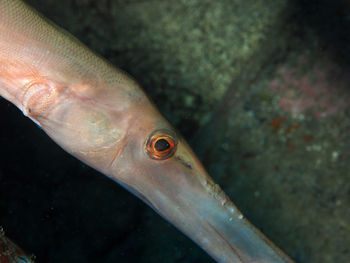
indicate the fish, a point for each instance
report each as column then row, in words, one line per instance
column 101, row 115
column 10, row 252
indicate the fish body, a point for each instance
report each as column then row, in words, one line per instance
column 10, row 252
column 101, row 115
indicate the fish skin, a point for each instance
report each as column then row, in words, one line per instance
column 10, row 252
column 100, row 115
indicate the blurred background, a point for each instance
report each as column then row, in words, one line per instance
column 260, row 89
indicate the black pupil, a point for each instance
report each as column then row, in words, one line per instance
column 161, row 145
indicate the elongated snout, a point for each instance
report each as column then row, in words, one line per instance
column 180, row 190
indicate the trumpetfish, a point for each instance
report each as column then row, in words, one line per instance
column 101, row 116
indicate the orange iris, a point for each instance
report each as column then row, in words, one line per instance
column 161, row 145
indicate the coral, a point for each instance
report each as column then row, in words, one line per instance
column 319, row 90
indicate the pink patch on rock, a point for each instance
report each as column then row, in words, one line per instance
column 322, row 90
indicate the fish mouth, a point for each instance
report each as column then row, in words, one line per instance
column 181, row 191
column 186, row 196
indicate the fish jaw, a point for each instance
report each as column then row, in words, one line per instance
column 181, row 191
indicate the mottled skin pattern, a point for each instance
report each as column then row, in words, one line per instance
column 101, row 116
column 10, row 252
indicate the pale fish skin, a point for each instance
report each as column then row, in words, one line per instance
column 101, row 116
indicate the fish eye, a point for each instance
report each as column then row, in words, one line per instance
column 161, row 145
